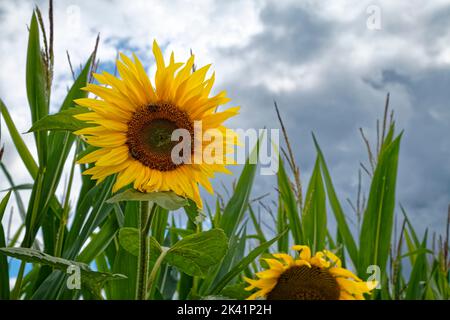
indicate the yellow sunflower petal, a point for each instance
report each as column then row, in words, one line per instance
column 113, row 125
column 267, row 274
column 127, row 176
column 100, row 172
column 286, row 258
column 341, row 272
column 143, row 77
column 334, row 259
column 305, row 252
column 266, row 283
column 257, row 294
column 300, row 263
column 346, row 296
column 353, row 287
column 114, row 157
column 93, row 156
column 319, row 260
column 274, row 264
column 109, row 141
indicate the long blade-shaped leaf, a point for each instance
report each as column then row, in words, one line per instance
column 242, row 265
column 343, row 228
column 4, row 270
column 314, row 213
column 236, row 206
column 92, row 279
column 289, row 201
column 37, row 91
column 414, row 290
column 376, row 230
column 20, row 145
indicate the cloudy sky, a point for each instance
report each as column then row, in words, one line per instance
column 328, row 64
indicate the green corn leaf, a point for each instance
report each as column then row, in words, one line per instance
column 166, row 199
column 418, row 276
column 314, row 213
column 20, row 145
column 160, row 223
column 244, row 263
column 86, row 201
column 3, row 204
column 4, row 270
column 37, row 86
column 125, row 262
column 237, row 205
column 100, row 211
column 181, row 232
column 186, row 281
column 60, row 143
column 376, row 230
column 19, row 201
column 410, row 227
column 236, row 291
column 100, row 241
column 53, row 286
column 282, row 224
column 290, row 204
column 236, row 243
column 44, row 203
column 102, row 266
column 343, row 228
column 410, row 245
column 257, row 225
column 25, row 186
column 192, row 213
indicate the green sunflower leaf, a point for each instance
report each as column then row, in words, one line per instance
column 129, row 240
column 93, row 280
column 62, row 121
column 197, row 253
column 167, row 200
column 193, row 255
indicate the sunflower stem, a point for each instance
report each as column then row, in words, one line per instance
column 144, row 227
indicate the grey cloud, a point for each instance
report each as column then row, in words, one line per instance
column 349, row 98
column 291, row 34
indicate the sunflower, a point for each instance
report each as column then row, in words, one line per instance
column 132, row 120
column 318, row 277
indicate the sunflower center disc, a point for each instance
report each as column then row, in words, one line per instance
column 304, row 283
column 150, row 131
